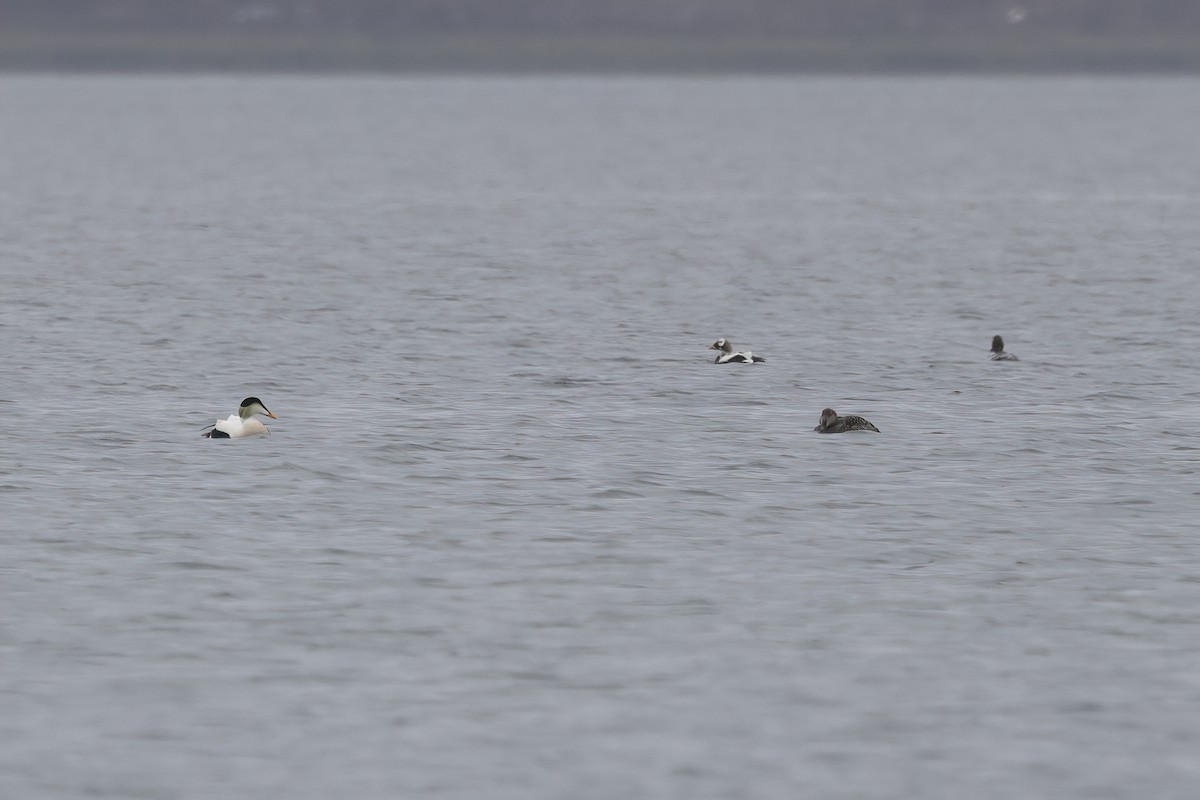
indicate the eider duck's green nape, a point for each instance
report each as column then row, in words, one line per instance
column 251, row 406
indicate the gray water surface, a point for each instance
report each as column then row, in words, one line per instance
column 513, row 534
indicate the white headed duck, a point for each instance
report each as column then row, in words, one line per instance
column 728, row 356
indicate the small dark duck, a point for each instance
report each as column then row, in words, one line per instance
column 998, row 353
column 832, row 423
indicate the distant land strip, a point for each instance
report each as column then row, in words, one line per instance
column 551, row 53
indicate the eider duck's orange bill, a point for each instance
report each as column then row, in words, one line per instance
column 269, row 414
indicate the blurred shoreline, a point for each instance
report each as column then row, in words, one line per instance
column 515, row 53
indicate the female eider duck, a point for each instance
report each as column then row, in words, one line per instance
column 243, row 423
column 832, row 423
column 727, row 356
column 998, row 353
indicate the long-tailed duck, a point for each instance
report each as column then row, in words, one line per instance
column 243, row 423
column 832, row 423
column 727, row 356
column 998, row 353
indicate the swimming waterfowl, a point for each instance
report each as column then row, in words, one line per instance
column 832, row 423
column 998, row 353
column 243, row 423
column 727, row 356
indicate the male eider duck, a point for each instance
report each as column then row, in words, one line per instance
column 243, row 423
column 998, row 353
column 727, row 356
column 832, row 423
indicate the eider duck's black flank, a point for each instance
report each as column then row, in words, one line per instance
column 832, row 423
column 998, row 353
column 215, row 434
column 727, row 356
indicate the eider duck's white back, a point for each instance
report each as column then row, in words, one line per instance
column 728, row 356
column 998, row 353
column 243, row 423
